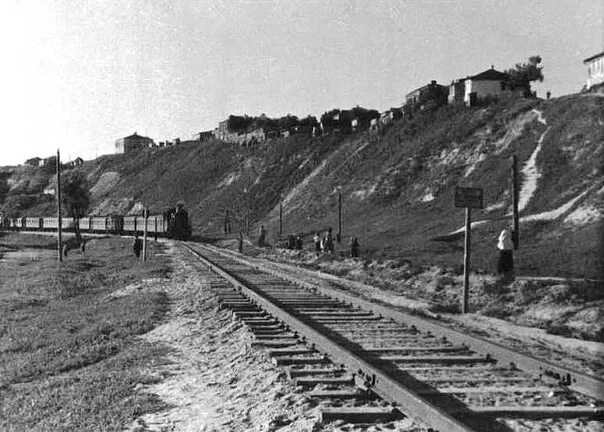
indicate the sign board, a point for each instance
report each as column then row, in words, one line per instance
column 468, row 197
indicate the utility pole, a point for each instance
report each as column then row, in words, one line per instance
column 145, row 215
column 466, row 261
column 339, row 215
column 59, row 222
column 280, row 216
column 515, row 198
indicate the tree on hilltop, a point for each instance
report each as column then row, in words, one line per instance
column 520, row 77
column 75, row 197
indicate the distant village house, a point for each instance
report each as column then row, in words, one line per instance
column 203, row 136
column 35, row 161
column 595, row 73
column 132, row 143
column 430, row 95
column 491, row 82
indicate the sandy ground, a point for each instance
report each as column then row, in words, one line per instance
column 213, row 379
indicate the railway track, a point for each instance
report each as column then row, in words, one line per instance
column 367, row 363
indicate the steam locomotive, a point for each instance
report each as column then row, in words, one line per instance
column 173, row 223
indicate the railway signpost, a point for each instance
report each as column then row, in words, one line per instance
column 468, row 198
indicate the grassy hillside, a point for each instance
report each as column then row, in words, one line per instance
column 397, row 188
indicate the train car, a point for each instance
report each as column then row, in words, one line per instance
column 98, row 224
column 85, row 224
column 115, row 224
column 50, row 223
column 156, row 225
column 67, row 224
column 33, row 223
column 129, row 226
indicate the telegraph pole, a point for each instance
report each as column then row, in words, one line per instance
column 339, row 215
column 59, row 222
column 280, row 217
column 145, row 215
column 515, row 198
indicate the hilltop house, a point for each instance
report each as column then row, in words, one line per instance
column 35, row 161
column 203, row 136
column 491, row 82
column 132, row 143
column 390, row 115
column 76, row 162
column 427, row 96
column 595, row 73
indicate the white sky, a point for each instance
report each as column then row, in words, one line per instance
column 78, row 74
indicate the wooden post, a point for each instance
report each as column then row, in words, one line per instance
column 280, row 217
column 339, row 216
column 145, row 215
column 59, row 222
column 466, row 261
column 515, row 198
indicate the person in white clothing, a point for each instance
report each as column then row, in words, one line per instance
column 505, row 263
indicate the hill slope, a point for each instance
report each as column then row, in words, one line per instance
column 397, row 188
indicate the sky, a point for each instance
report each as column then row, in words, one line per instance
column 77, row 75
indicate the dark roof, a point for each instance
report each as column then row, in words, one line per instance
column 432, row 84
column 593, row 57
column 137, row 136
column 489, row 75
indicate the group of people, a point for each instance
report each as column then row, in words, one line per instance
column 324, row 244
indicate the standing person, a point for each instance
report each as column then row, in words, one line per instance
column 262, row 236
column 299, row 243
column 137, row 246
column 317, row 240
column 329, row 241
column 505, row 261
column 240, row 242
column 354, row 247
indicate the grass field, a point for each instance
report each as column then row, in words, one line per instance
column 69, row 356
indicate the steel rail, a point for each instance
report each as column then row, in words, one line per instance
column 412, row 403
column 588, row 385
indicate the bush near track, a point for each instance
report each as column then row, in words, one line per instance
column 70, row 359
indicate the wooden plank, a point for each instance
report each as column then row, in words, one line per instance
column 488, row 389
column 337, row 394
column 290, row 351
column 436, row 359
column 359, row 414
column 311, row 381
column 295, row 373
column 279, row 361
column 540, row 412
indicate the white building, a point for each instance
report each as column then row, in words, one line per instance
column 595, row 73
column 488, row 83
